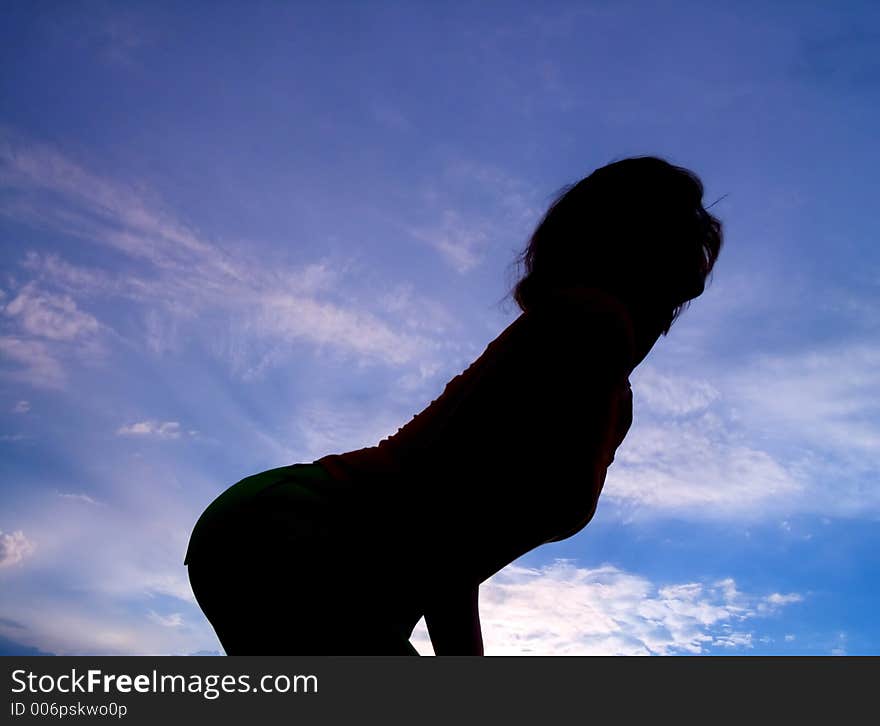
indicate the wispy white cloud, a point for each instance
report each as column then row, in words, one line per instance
column 36, row 363
column 470, row 207
column 697, row 468
column 172, row 620
column 14, row 547
column 673, row 395
column 21, row 407
column 48, row 331
column 73, row 279
column 156, row 429
column 79, row 498
column 515, row 199
column 463, row 245
column 735, row 640
column 45, row 315
column 776, row 600
column 390, row 116
column 91, row 206
column 415, row 311
column 563, row 609
column 289, row 316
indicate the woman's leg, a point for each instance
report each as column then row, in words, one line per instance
column 260, row 610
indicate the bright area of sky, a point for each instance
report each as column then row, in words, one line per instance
column 237, row 236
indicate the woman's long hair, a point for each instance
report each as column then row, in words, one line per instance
column 636, row 228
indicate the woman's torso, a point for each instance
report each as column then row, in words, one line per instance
column 510, row 455
column 494, row 466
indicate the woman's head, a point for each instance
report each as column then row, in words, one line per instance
column 635, row 228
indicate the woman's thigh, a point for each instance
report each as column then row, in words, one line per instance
column 276, row 608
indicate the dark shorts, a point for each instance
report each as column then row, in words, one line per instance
column 288, row 501
column 277, row 565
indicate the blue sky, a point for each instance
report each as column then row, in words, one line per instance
column 239, row 236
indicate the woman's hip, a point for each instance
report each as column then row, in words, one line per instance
column 275, row 508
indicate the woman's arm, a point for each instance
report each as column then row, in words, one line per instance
column 453, row 619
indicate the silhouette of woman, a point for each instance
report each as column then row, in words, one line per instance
column 344, row 555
